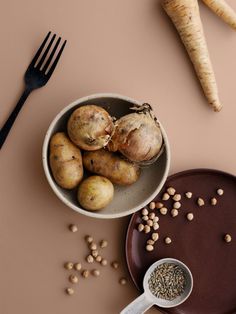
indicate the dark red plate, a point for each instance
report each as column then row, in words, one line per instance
column 199, row 243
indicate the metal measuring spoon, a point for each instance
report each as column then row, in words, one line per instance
column 147, row 299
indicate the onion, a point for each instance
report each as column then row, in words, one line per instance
column 138, row 136
column 90, row 127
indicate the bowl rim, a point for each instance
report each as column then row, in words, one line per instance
column 53, row 184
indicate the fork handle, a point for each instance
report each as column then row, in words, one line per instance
column 11, row 119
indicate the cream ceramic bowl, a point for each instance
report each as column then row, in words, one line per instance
column 127, row 200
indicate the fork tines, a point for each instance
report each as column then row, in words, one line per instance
column 38, row 62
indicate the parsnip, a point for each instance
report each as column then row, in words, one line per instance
column 186, row 18
column 223, row 10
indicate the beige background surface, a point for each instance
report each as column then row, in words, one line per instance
column 127, row 47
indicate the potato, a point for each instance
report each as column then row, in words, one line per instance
column 90, row 127
column 95, row 193
column 111, row 166
column 65, row 161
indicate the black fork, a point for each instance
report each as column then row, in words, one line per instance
column 36, row 76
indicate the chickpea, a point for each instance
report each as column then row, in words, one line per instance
column 177, row 205
column 150, row 242
column 165, row 197
column 147, row 229
column 177, row 197
column 155, row 219
column 70, row 291
column 151, row 216
column 123, row 281
column 168, row 240
column 200, row 201
column 85, row 273
column 152, row 205
column 149, row 247
column 144, row 212
column 115, row 265
column 77, row 266
column 163, row 210
column 155, row 236
column 220, row 192
column 188, row 194
column 89, row 239
column 90, row 259
column 156, row 226
column 174, row 212
column 98, row 258
column 159, row 205
column 73, row 228
column 93, row 246
column 103, row 262
column 103, row 244
column 140, row 227
column 227, row 238
column 213, row 201
column 95, row 272
column 150, row 223
column 69, row 265
column 171, row 191
column 190, row 216
column 145, row 218
column 73, row 279
column 94, row 253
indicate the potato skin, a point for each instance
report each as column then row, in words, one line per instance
column 111, row 166
column 95, row 193
column 90, row 127
column 65, row 161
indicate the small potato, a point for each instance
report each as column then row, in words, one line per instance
column 65, row 161
column 90, row 127
column 95, row 193
column 111, row 166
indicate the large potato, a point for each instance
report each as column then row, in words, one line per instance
column 111, row 166
column 95, row 193
column 65, row 161
column 90, row 127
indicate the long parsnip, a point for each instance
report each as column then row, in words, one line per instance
column 223, row 10
column 186, row 18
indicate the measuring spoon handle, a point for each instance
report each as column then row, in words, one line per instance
column 138, row 306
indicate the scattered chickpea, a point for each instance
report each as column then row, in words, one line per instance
column 123, row 281
column 159, row 205
column 174, row 212
column 149, row 247
column 188, row 194
column 94, row 253
column 115, row 265
column 156, row 226
column 95, row 272
column 171, row 191
column 85, row 273
column 147, row 229
column 98, row 259
column 177, row 205
column 70, row 291
column 228, row 238
column 69, row 265
column 90, row 259
column 103, row 262
column 77, row 266
column 140, row 227
column 213, row 201
column 177, row 197
column 200, row 201
column 190, row 216
column 145, row 218
column 165, row 197
column 93, row 246
column 150, row 242
column 103, row 244
column 155, row 236
column 73, row 228
column 150, row 223
column 89, row 239
column 155, row 219
column 168, row 240
column 220, row 192
column 144, row 212
column 163, row 210
column 151, row 216
column 73, row 279
column 152, row 205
